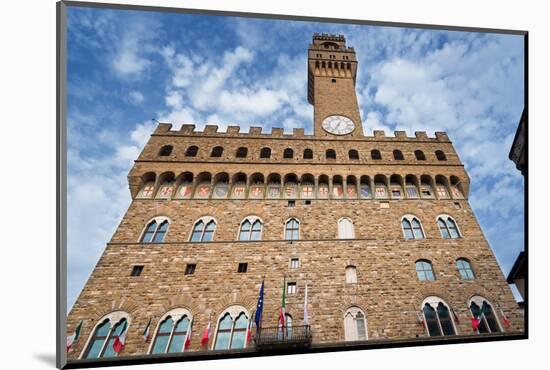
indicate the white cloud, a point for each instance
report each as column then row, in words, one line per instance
column 135, row 97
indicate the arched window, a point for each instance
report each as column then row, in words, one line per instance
column 484, row 316
column 440, row 155
column 288, row 153
column 251, row 229
column 166, row 150
column 465, row 269
column 330, row 154
column 351, row 275
column 192, row 151
column 308, row 154
column 292, row 229
column 398, row 155
column 155, row 231
column 203, row 230
column 345, row 229
column 172, row 332
column 424, row 270
column 375, row 154
column 265, row 153
column 412, row 228
column 217, row 152
column 437, row 317
column 353, row 154
column 242, row 152
column 355, row 324
column 103, row 336
column 232, row 328
column 419, row 154
column 447, row 227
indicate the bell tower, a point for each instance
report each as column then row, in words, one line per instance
column 332, row 69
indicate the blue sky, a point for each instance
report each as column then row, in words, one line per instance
column 127, row 67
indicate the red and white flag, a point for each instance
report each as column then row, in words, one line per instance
column 205, row 335
column 147, row 332
column 505, row 319
column 248, row 332
column 188, row 337
column 120, row 340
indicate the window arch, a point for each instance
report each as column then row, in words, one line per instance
column 251, row 228
column 482, row 310
column 172, row 331
column 355, row 324
column 330, row 154
column 437, row 317
column 398, row 155
column 288, row 153
column 166, row 150
column 292, row 229
column 308, row 154
column 232, row 327
column 203, row 230
column 424, row 270
column 242, row 152
column 217, row 152
column 440, row 155
column 419, row 154
column 375, row 154
column 265, row 153
column 192, row 151
column 155, row 231
column 345, row 229
column 412, row 227
column 109, row 327
column 448, row 227
column 353, row 154
column 465, row 269
column 351, row 274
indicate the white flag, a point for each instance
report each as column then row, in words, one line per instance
column 306, row 318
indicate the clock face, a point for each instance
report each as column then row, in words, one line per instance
column 338, row 125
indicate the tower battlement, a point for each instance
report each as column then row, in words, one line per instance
column 297, row 133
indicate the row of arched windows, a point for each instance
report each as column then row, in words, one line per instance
column 232, row 325
column 425, row 272
column 239, row 186
column 288, row 153
column 251, row 229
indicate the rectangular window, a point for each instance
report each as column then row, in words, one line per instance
column 136, row 270
column 307, row 202
column 294, row 263
column 290, row 288
column 291, row 203
column 190, row 268
column 243, row 266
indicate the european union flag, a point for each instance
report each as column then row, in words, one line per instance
column 259, row 307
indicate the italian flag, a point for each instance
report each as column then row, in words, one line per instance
column 71, row 339
column 120, row 340
column 283, row 306
column 477, row 320
column 249, row 332
column 205, row 335
column 188, row 337
column 147, row 332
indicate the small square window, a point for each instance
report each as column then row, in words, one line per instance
column 291, row 203
column 384, row 205
column 136, row 270
column 307, row 202
column 243, row 266
column 290, row 288
column 457, row 205
column 190, row 268
column 294, row 263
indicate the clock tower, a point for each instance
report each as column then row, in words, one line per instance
column 332, row 69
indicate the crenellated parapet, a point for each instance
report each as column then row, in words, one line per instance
column 297, row 133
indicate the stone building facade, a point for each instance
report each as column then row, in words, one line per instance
column 371, row 215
